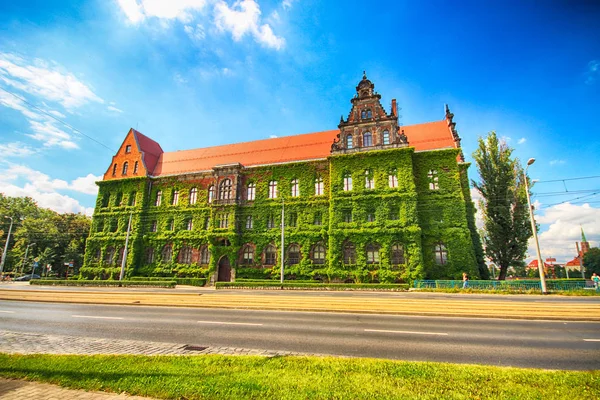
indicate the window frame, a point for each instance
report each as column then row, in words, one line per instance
column 273, row 192
column 125, row 168
column 225, row 189
column 295, row 188
column 385, row 137
column 319, row 186
column 158, row 199
column 270, row 255
column 372, row 253
column 433, row 178
column 369, row 179
column 349, row 141
column 319, row 249
column 251, row 191
column 440, row 253
column 193, row 197
column 347, row 182
column 367, row 139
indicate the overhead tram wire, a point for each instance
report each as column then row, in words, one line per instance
column 58, row 120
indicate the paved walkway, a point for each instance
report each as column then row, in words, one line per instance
column 23, row 390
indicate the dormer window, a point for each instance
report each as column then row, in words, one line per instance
column 348, row 142
column 367, row 139
column 128, row 148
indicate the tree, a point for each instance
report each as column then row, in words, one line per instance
column 506, row 218
column 591, row 261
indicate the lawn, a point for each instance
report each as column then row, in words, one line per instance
column 252, row 377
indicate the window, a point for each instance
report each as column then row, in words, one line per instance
column 128, row 148
column 295, row 189
column 97, row 255
column 318, row 254
column 207, row 223
column 149, row 255
column 125, row 167
column 119, row 199
column 158, row 198
column 370, row 216
column 204, row 255
column 249, row 222
column 105, row 200
column 293, row 219
column 170, row 225
column 349, row 253
column 120, row 256
column 225, row 190
column 393, row 178
column 293, row 254
column 224, row 220
column 211, row 193
column 386, row 137
column 109, row 255
column 175, row 198
column 394, row 213
column 270, row 222
column 185, row 255
column 270, row 255
column 136, row 167
column 367, row 139
column 251, row 191
column 349, row 143
column 347, row 215
column 319, row 187
column 247, row 255
column 100, row 226
column 369, row 181
column 167, row 253
column 363, row 114
column 114, row 170
column 372, row 254
column 318, row 218
column 153, row 226
column 190, row 224
column 369, row 114
column 193, row 195
column 347, row 182
column 441, row 254
column 397, row 256
column 114, row 225
column 272, row 189
column 433, row 179
column 132, row 197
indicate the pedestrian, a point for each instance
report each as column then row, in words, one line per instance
column 465, row 280
column 596, row 281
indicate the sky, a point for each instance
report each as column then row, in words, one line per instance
column 76, row 75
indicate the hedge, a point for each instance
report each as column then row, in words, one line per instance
column 180, row 281
column 106, row 283
column 311, row 286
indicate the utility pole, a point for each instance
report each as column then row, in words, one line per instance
column 25, row 258
column 6, row 245
column 282, row 237
column 534, row 229
column 124, row 260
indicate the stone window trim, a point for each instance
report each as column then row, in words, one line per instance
column 225, row 189
column 224, row 220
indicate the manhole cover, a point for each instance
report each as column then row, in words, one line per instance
column 189, row 347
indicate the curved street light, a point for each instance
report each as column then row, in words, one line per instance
column 534, row 229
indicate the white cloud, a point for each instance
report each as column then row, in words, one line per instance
column 195, row 33
column 132, row 10
column 593, row 71
column 557, row 162
column 115, row 109
column 86, row 184
column 273, row 136
column 522, row 140
column 287, row 4
column 16, row 149
column 244, row 18
column 173, row 9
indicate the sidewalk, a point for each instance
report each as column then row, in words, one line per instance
column 23, row 390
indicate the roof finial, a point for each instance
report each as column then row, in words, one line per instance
column 583, row 239
column 364, row 74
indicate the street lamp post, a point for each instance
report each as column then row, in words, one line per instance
column 6, row 245
column 534, row 229
column 25, row 258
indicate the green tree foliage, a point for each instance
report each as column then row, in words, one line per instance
column 591, row 261
column 58, row 238
column 506, row 221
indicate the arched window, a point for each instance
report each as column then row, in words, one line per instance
column 349, row 253
column 432, row 175
column 158, row 198
column 293, row 254
column 295, row 188
column 125, row 167
column 247, row 255
column 167, row 253
column 347, row 182
column 393, row 178
column 386, row 137
column 120, row 255
column 109, row 255
column 193, row 195
column 149, row 255
column 369, row 113
column 204, row 255
column 372, row 254
column 441, row 254
column 319, row 187
column 367, row 139
column 272, row 189
column 270, row 255
column 185, row 255
column 250, row 193
column 318, row 254
column 175, row 198
column 114, row 169
column 211, row 193
column 225, row 190
column 397, row 256
column 135, row 167
column 349, row 143
column 369, row 181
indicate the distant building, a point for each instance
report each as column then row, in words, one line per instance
column 582, row 248
column 369, row 201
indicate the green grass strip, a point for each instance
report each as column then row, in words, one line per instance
column 252, row 377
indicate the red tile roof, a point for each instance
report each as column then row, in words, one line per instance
column 573, row 263
column 310, row 146
column 151, row 150
column 534, row 264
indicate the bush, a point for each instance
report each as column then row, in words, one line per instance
column 106, row 283
column 311, row 286
column 180, row 281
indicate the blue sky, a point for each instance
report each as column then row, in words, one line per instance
column 195, row 73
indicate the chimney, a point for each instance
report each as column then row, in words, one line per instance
column 394, row 108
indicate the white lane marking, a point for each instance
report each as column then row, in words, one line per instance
column 94, row 317
column 228, row 323
column 591, row 340
column 8, row 312
column 408, row 332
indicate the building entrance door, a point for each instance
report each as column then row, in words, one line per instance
column 224, row 270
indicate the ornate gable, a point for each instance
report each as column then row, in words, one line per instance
column 368, row 126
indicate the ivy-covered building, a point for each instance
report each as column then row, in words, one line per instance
column 370, row 201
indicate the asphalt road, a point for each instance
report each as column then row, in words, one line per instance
column 523, row 343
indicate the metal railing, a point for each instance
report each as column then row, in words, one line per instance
column 512, row 285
